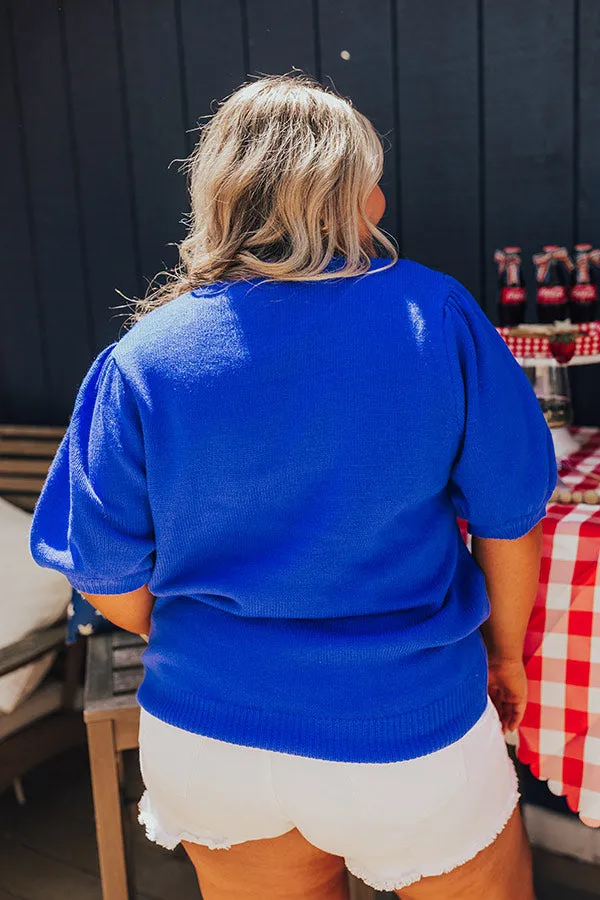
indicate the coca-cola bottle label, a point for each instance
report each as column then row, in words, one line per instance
column 512, row 295
column 584, row 293
column 551, row 294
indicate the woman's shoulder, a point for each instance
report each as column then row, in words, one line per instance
column 425, row 291
column 162, row 327
column 420, row 278
column 187, row 335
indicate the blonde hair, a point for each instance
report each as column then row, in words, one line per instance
column 278, row 183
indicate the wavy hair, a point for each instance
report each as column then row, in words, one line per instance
column 278, row 183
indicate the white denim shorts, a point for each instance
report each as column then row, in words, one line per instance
column 393, row 823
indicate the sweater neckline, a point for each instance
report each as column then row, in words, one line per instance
column 337, row 259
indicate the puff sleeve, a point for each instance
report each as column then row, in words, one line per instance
column 505, row 470
column 92, row 521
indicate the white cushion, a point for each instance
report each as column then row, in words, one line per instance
column 43, row 702
column 31, row 597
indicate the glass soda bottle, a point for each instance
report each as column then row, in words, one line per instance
column 583, row 294
column 552, row 271
column 512, row 294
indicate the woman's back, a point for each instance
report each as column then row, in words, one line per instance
column 281, row 453
column 281, row 427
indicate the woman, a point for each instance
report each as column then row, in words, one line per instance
column 265, row 473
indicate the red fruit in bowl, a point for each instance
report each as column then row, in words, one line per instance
column 562, row 350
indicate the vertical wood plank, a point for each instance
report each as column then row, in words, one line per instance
column 359, row 890
column 156, row 119
column 364, row 31
column 212, row 74
column 585, row 380
column 439, row 136
column 588, row 138
column 107, row 811
column 54, row 206
column 281, row 38
column 585, row 389
column 528, row 128
column 102, row 147
column 23, row 378
column 99, row 671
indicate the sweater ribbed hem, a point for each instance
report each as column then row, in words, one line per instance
column 123, row 585
column 512, row 530
column 410, row 734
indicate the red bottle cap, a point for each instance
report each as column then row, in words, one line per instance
column 548, row 247
column 512, row 249
column 583, row 246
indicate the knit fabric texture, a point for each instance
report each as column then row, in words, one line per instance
column 284, row 463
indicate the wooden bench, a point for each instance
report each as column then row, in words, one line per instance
column 113, row 674
column 46, row 723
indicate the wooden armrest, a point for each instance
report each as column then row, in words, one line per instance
column 31, row 648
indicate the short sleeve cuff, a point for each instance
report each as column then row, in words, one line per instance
column 507, row 531
column 114, row 586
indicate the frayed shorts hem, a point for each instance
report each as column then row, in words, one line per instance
column 406, row 879
column 160, row 835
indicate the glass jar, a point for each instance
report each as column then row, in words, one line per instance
column 550, row 381
column 551, row 386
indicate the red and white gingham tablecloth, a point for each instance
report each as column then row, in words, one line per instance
column 560, row 734
column 586, row 344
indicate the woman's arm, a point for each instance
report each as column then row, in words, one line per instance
column 511, row 569
column 130, row 611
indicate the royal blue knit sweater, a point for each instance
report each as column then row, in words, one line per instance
column 284, row 463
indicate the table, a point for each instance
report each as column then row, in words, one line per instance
column 559, row 737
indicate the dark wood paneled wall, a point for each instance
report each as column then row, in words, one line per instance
column 489, row 110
